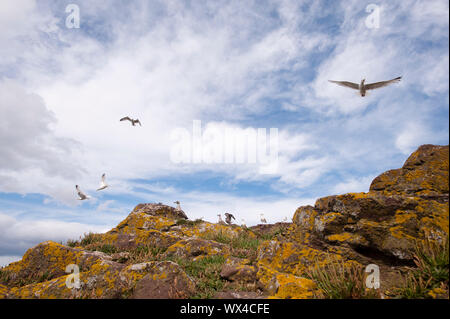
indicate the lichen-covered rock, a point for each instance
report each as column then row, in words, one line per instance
column 425, row 173
column 284, row 285
column 164, row 280
column 195, row 247
column 237, row 269
column 160, row 210
column 48, row 260
column 109, row 280
column 3, row 292
column 383, row 225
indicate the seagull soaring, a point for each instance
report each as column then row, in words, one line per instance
column 228, row 218
column 82, row 195
column 364, row 87
column 103, row 184
column 133, row 122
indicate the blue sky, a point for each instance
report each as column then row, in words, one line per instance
column 233, row 65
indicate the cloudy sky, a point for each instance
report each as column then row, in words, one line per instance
column 232, row 66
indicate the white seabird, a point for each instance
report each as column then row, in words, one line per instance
column 81, row 195
column 362, row 87
column 103, row 184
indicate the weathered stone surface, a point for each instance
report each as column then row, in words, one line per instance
column 425, row 173
column 165, row 280
column 237, row 269
column 160, row 210
column 49, row 260
column 194, row 247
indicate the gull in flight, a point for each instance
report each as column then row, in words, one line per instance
column 133, row 122
column 82, row 196
column 228, row 218
column 363, row 87
column 263, row 220
column 103, row 184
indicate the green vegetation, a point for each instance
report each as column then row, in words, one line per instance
column 338, row 280
column 432, row 262
column 242, row 241
column 143, row 253
column 206, row 273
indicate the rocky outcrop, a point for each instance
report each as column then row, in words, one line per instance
column 157, row 253
column 382, row 225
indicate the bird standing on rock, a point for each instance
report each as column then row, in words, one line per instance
column 263, row 220
column 178, row 208
column 364, row 87
column 220, row 219
column 228, row 218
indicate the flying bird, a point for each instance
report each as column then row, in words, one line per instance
column 363, row 87
column 228, row 218
column 81, row 195
column 133, row 122
column 103, row 184
column 263, row 220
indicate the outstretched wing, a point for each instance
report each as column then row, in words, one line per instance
column 126, row 118
column 377, row 85
column 137, row 121
column 347, row 84
column 80, row 193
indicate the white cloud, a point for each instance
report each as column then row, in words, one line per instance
column 18, row 235
column 353, row 185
